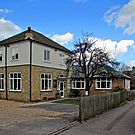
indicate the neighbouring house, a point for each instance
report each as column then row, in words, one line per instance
column 32, row 67
column 131, row 73
column 106, row 80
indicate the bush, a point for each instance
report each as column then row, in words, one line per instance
column 75, row 93
column 118, row 88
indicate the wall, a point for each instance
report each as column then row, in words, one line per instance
column 2, row 48
column 24, row 55
column 38, row 56
column 24, row 94
column 37, row 94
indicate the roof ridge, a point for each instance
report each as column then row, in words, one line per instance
column 37, row 37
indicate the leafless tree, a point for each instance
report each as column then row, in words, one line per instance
column 87, row 59
column 121, row 67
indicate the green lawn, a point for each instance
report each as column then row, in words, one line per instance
column 68, row 101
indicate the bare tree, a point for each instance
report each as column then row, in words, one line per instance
column 121, row 67
column 87, row 59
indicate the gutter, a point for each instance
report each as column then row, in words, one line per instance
column 6, row 74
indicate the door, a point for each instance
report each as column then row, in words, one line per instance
column 61, row 89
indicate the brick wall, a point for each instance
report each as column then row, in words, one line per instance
column 22, row 95
column 37, row 94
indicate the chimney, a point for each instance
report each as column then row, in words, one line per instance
column 133, row 68
column 29, row 29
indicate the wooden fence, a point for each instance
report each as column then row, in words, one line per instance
column 96, row 104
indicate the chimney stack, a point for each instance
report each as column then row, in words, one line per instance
column 29, row 29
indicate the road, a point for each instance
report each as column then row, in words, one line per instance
column 119, row 121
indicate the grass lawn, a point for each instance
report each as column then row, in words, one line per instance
column 69, row 101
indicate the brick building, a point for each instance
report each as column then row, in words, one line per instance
column 131, row 73
column 107, row 80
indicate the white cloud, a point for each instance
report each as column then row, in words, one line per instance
column 124, row 17
column 5, row 11
column 132, row 63
column 114, row 47
column 8, row 28
column 63, row 39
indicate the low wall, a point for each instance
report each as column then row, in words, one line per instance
column 96, row 104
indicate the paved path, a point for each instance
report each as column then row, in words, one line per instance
column 119, row 121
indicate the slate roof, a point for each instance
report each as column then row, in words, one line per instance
column 37, row 37
column 109, row 71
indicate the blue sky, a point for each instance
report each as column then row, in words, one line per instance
column 111, row 22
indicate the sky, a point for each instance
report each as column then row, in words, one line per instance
column 111, row 22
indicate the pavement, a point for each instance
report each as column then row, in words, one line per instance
column 118, row 121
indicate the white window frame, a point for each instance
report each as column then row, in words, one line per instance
column 46, row 56
column 1, row 55
column 2, row 81
column 106, row 81
column 62, row 59
column 74, row 84
column 14, row 81
column 44, row 79
column 14, row 52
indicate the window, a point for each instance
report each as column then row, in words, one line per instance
column 0, row 56
column 15, row 81
column 46, row 55
column 15, row 53
column 78, row 84
column 62, row 60
column 1, row 81
column 46, row 82
column 103, row 83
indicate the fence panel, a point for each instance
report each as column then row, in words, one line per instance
column 96, row 104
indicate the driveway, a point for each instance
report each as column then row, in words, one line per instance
column 34, row 119
column 65, row 108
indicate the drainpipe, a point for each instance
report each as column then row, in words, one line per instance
column 30, row 70
column 6, row 74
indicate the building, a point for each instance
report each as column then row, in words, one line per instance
column 131, row 73
column 32, row 67
column 107, row 80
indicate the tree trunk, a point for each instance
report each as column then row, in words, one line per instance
column 87, row 89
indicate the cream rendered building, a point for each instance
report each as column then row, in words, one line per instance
column 32, row 67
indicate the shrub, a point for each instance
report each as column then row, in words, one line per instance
column 75, row 93
column 118, row 88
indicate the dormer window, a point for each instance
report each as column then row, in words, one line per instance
column 15, row 53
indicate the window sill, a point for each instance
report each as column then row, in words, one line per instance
column 45, row 61
column 46, row 90
column 103, row 88
column 14, row 90
column 1, row 90
column 14, row 60
column 78, row 88
column 62, row 65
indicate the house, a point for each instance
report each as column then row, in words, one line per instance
column 131, row 73
column 32, row 67
column 106, row 80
